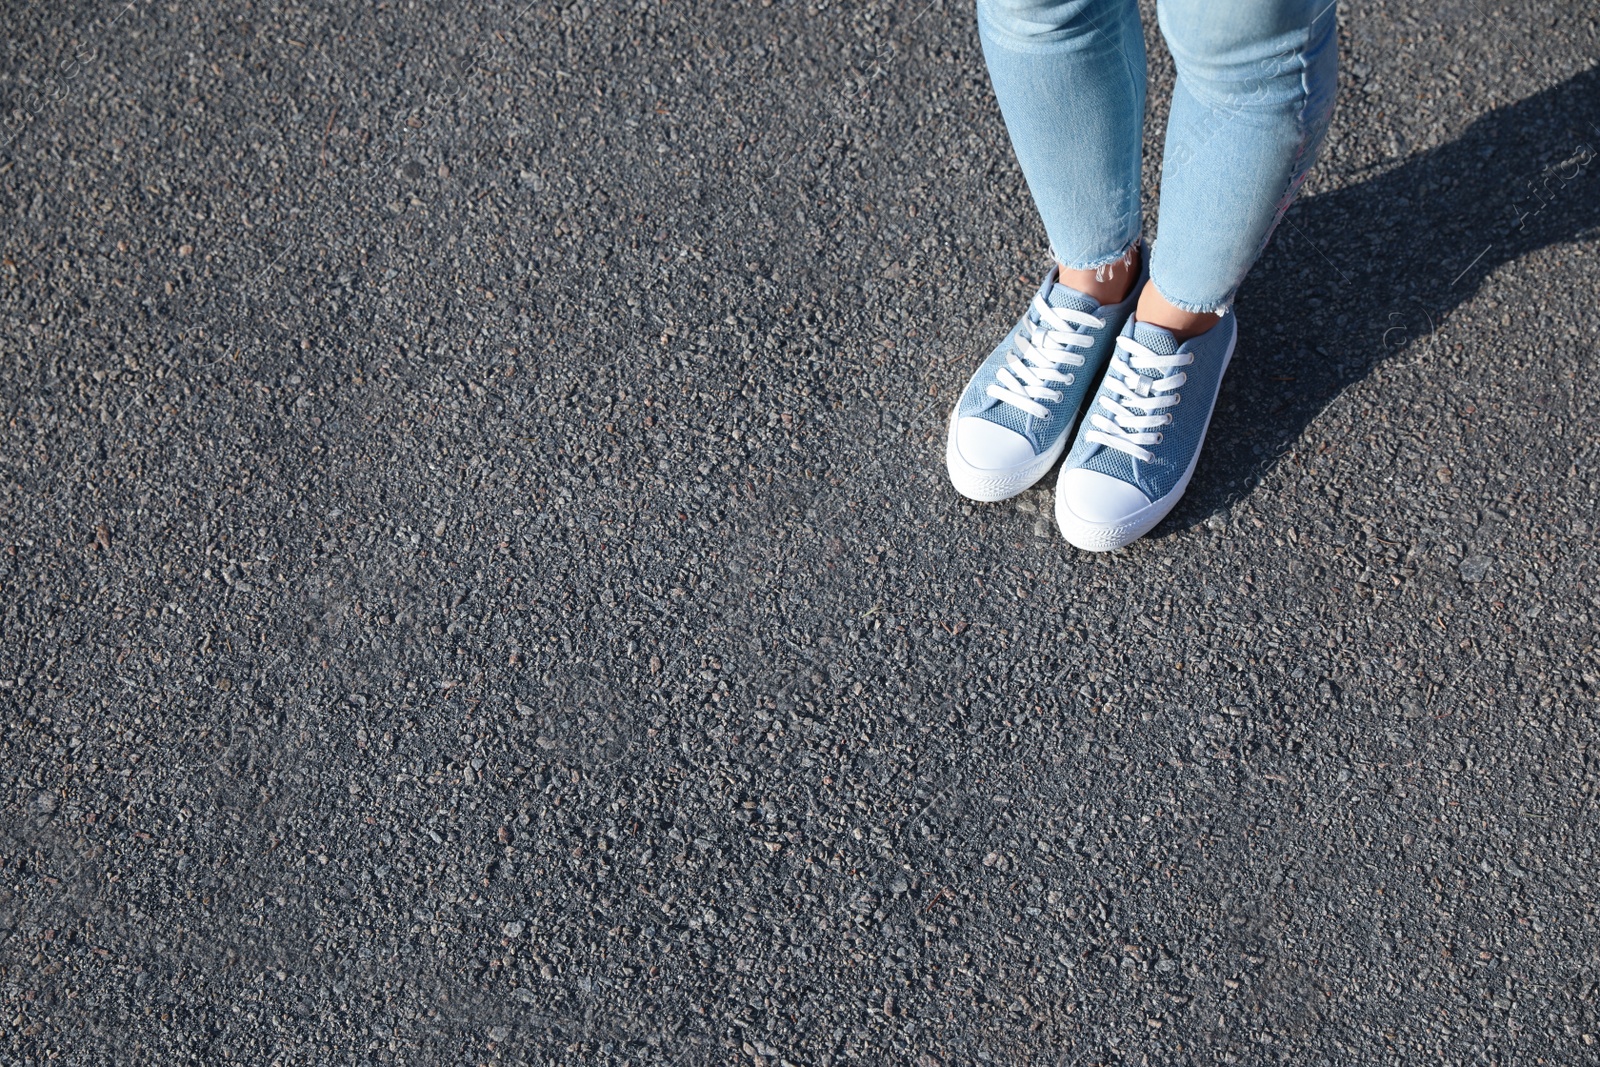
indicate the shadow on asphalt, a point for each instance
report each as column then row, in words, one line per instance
column 1396, row 255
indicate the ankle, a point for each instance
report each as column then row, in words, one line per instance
column 1154, row 309
column 1107, row 284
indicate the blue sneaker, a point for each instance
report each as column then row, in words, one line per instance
column 1012, row 421
column 1137, row 447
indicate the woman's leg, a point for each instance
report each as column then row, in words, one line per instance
column 1252, row 101
column 1069, row 76
column 1253, row 98
column 1070, row 80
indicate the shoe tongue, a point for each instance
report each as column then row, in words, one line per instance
column 1064, row 296
column 1157, row 340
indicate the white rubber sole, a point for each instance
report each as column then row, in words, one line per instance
column 988, row 486
column 1103, row 536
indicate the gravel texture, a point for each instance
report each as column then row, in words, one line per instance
column 478, row 582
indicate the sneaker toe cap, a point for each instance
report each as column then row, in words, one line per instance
column 1098, row 498
column 989, row 446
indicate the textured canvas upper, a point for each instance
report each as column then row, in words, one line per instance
column 1156, row 477
column 1043, row 433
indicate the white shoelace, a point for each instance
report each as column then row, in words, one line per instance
column 1037, row 356
column 1139, row 404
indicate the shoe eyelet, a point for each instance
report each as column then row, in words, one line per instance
column 1070, row 379
column 1160, row 437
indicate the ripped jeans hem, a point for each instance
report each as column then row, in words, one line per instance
column 1125, row 256
column 1198, row 307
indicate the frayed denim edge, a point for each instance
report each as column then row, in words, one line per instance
column 1220, row 308
column 1099, row 265
column 1216, row 307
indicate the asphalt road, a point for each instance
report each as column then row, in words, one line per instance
column 478, row 582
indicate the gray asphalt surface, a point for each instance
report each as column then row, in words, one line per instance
column 478, row 582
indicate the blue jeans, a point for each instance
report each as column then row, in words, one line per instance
column 1253, row 98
